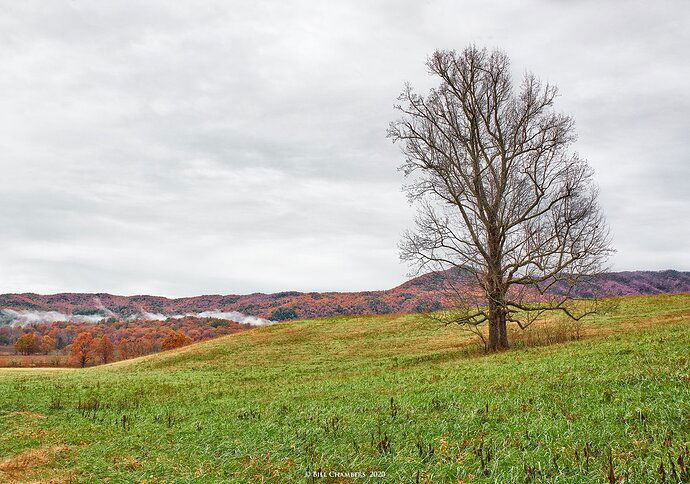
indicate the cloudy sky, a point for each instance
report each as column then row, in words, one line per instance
column 181, row 148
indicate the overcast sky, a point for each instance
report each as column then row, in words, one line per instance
column 182, row 148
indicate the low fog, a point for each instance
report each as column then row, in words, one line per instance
column 27, row 317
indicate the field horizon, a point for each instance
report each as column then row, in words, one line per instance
column 423, row 293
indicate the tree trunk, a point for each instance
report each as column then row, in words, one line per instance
column 496, row 294
column 498, row 333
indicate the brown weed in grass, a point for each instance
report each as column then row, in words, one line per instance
column 127, row 463
column 548, row 333
column 32, row 415
column 18, row 467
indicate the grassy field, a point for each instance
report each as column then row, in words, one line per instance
column 394, row 398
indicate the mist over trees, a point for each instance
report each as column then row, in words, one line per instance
column 501, row 195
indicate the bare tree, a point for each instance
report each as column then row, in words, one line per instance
column 502, row 197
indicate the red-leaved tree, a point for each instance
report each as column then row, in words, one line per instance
column 103, row 349
column 175, row 340
column 81, row 352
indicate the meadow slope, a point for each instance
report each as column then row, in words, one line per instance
column 393, row 394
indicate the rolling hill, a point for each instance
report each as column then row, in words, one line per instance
column 392, row 398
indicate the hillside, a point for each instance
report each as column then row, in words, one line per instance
column 394, row 394
column 417, row 295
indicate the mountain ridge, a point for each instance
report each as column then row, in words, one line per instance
column 418, row 294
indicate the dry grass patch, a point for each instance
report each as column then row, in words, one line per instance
column 20, row 467
column 127, row 463
column 31, row 415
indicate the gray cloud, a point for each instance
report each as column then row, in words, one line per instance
column 190, row 148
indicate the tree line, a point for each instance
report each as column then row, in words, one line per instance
column 87, row 344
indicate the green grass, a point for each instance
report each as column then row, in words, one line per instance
column 394, row 394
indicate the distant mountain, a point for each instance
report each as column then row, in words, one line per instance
column 627, row 283
column 632, row 283
column 422, row 293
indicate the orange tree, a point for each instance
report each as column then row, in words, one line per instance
column 175, row 339
column 47, row 344
column 28, row 344
column 103, row 349
column 81, row 351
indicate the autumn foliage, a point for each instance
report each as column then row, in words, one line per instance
column 47, row 344
column 103, row 349
column 81, row 350
column 109, row 340
column 28, row 344
column 174, row 340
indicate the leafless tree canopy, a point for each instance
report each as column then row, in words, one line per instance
column 501, row 194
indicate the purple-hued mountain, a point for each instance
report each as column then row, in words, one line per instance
column 635, row 283
column 419, row 294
